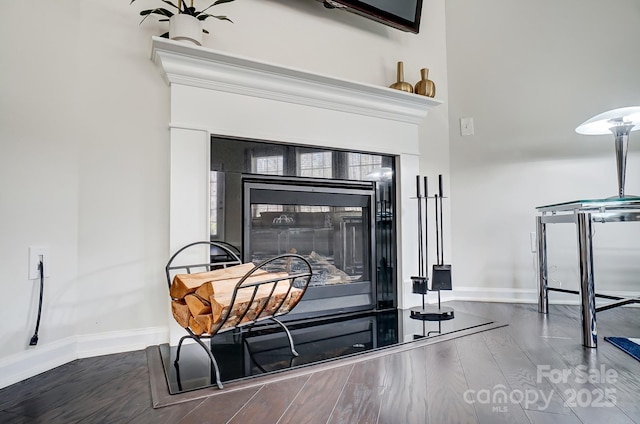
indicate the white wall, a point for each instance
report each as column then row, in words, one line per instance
column 83, row 171
column 529, row 73
column 84, row 154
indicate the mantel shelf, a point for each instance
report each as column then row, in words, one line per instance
column 202, row 67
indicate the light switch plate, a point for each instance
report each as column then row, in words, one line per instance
column 466, row 126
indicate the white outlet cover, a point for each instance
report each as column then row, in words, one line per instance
column 34, row 259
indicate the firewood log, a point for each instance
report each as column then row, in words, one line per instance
column 259, row 305
column 227, row 285
column 195, row 327
column 205, row 291
column 184, row 284
column 259, row 296
column 196, row 305
column 205, row 321
column 291, row 300
column 180, row 312
column 246, row 301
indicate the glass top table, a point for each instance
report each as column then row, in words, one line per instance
column 611, row 203
column 583, row 213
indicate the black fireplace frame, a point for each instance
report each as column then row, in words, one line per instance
column 233, row 160
column 345, row 298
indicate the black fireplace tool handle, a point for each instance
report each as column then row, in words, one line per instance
column 426, row 227
column 441, row 273
column 437, row 231
column 441, row 193
column 420, row 253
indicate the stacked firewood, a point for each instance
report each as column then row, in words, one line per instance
column 201, row 301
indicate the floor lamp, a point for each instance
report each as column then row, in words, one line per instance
column 620, row 122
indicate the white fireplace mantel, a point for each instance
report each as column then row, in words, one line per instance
column 215, row 93
column 210, row 69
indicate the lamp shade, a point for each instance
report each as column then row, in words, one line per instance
column 619, row 122
column 604, row 122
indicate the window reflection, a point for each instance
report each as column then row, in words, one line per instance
column 216, row 204
column 361, row 164
column 268, row 165
column 236, row 161
column 315, row 165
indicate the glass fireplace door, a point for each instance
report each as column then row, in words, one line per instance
column 330, row 223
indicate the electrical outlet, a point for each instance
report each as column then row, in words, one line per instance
column 35, row 255
column 534, row 242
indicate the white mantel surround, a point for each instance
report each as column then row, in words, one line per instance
column 221, row 94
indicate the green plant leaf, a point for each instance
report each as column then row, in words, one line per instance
column 204, row 16
column 158, row 11
column 170, row 3
column 189, row 10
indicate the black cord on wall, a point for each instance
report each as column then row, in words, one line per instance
column 34, row 338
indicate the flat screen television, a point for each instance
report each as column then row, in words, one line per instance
column 400, row 14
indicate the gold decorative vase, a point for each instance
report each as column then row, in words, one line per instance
column 400, row 84
column 425, row 86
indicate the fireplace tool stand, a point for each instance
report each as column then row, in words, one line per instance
column 421, row 282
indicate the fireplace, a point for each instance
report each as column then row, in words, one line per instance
column 330, row 225
column 213, row 92
column 334, row 207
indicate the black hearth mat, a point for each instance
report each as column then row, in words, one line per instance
column 265, row 351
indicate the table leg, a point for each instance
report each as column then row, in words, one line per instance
column 587, row 287
column 541, row 237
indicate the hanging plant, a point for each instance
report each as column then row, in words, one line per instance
column 182, row 7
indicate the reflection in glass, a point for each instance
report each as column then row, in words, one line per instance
column 331, row 233
column 332, row 239
column 268, row 165
column 315, row 164
column 216, row 204
column 361, row 164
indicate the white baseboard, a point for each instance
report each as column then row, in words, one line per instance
column 35, row 360
column 120, row 341
column 484, row 294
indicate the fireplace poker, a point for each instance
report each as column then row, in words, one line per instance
column 420, row 282
column 441, row 271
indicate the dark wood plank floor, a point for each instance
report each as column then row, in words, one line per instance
column 445, row 382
